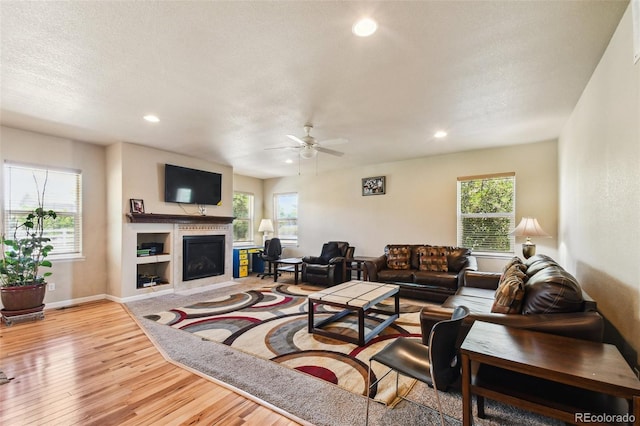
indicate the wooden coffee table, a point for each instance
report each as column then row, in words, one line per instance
column 569, row 379
column 358, row 297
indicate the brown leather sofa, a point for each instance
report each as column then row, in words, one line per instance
column 552, row 301
column 422, row 271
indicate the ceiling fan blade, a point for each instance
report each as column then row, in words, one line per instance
column 282, row 147
column 297, row 139
column 329, row 151
column 331, row 142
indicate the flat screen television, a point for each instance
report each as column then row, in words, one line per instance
column 190, row 186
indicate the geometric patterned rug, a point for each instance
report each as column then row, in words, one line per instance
column 271, row 323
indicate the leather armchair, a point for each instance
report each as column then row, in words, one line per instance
column 330, row 268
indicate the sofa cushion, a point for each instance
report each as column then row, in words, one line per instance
column 484, row 293
column 475, row 304
column 329, row 251
column 398, row 257
column 437, row 279
column 538, row 262
column 396, row 275
column 457, row 258
column 552, row 290
column 509, row 295
column 433, row 258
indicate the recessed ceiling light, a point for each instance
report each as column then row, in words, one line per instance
column 288, row 161
column 440, row 134
column 151, row 118
column 364, row 27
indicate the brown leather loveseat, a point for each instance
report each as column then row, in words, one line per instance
column 537, row 294
column 422, row 271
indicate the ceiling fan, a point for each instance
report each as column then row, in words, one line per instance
column 309, row 146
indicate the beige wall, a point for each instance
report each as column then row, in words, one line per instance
column 599, row 160
column 420, row 201
column 77, row 279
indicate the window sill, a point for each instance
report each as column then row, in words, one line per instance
column 487, row 255
column 66, row 258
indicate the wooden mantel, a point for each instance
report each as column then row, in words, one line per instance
column 176, row 218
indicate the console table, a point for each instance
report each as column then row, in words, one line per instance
column 569, row 379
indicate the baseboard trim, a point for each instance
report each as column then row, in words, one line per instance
column 123, row 300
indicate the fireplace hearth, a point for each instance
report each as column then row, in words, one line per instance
column 203, row 256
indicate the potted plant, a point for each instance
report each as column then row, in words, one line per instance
column 22, row 285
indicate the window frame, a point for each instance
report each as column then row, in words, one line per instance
column 75, row 250
column 290, row 221
column 509, row 215
column 250, row 220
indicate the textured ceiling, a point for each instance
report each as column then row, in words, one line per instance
column 229, row 79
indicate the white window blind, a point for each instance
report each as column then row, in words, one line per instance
column 286, row 214
column 243, row 214
column 486, row 212
column 23, row 187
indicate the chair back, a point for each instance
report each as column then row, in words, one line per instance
column 443, row 353
column 272, row 249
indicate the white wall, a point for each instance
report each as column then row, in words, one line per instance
column 87, row 277
column 599, row 160
column 420, row 201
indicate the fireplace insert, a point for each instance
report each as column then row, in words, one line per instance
column 202, row 256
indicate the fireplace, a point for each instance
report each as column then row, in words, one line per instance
column 203, row 256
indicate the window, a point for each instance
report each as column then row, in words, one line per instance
column 486, row 212
column 62, row 189
column 286, row 213
column 243, row 213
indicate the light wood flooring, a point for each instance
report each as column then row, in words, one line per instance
column 92, row 365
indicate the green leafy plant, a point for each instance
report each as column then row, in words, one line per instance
column 26, row 252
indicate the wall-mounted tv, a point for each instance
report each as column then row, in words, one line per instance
column 190, row 186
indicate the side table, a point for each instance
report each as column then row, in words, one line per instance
column 568, row 379
column 294, row 264
column 357, row 264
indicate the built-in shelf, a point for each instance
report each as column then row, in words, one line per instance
column 141, row 260
column 176, row 218
column 155, row 265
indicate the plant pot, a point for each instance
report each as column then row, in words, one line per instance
column 23, row 298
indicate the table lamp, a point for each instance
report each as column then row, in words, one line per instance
column 266, row 226
column 529, row 227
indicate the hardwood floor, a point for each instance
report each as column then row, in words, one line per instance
column 91, row 364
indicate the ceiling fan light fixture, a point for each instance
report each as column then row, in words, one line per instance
column 364, row 27
column 308, row 152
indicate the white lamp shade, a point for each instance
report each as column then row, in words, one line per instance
column 266, row 225
column 529, row 227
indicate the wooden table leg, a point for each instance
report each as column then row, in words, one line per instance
column 310, row 323
column 467, row 414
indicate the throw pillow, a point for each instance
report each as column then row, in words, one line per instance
column 513, row 261
column 509, row 295
column 433, row 258
column 398, row 257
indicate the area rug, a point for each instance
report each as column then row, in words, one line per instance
column 309, row 400
column 271, row 323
